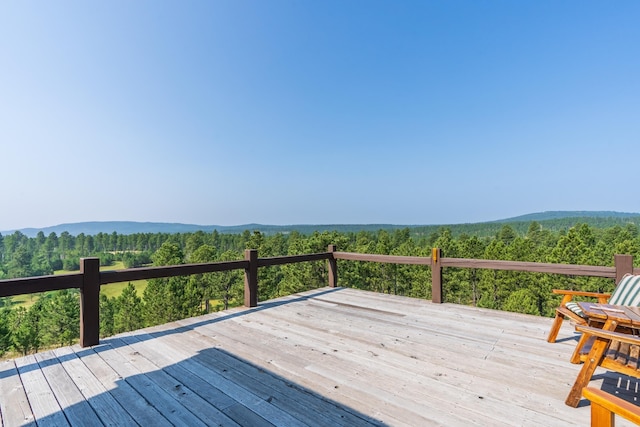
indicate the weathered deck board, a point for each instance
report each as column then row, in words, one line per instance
column 103, row 403
column 41, row 398
column 269, row 413
column 399, row 371
column 345, row 367
column 324, row 357
column 74, row 406
column 133, row 369
column 379, row 360
column 14, row 404
column 130, row 401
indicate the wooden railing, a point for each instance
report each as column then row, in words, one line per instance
column 90, row 278
column 623, row 264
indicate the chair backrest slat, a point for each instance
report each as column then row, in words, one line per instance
column 627, row 292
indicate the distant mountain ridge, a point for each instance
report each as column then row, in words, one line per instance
column 133, row 227
column 566, row 218
column 544, row 216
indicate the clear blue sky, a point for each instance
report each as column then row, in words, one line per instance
column 304, row 111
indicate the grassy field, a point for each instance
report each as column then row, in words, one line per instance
column 115, row 289
column 111, row 290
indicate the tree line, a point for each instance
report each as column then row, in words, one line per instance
column 54, row 317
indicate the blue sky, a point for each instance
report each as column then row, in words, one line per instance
column 292, row 112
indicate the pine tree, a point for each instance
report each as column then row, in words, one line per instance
column 128, row 315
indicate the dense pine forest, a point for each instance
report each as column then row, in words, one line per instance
column 52, row 318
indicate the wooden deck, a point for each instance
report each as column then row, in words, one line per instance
column 324, row 357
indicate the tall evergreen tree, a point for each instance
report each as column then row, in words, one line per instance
column 200, row 287
column 107, row 313
column 61, row 318
column 128, row 316
column 6, row 338
column 228, row 286
column 26, row 328
column 163, row 298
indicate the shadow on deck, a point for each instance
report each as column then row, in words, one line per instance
column 210, row 388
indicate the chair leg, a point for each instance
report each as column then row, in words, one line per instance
column 555, row 328
column 589, row 367
column 601, row 416
column 577, row 352
column 587, row 340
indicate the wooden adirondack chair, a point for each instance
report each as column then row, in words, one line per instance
column 605, row 406
column 627, row 292
column 614, row 351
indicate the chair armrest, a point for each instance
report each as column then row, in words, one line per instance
column 568, row 296
column 609, row 335
column 612, row 403
column 581, row 293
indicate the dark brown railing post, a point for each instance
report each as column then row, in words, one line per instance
column 251, row 278
column 624, row 265
column 436, row 275
column 90, row 302
column 333, row 267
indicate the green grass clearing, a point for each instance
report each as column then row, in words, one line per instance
column 113, row 290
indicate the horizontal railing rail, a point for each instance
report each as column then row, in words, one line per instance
column 623, row 265
column 388, row 259
column 292, row 259
column 532, row 267
column 524, row 266
column 32, row 285
column 90, row 278
column 145, row 273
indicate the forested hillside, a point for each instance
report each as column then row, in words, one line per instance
column 52, row 319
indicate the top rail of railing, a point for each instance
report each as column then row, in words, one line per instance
column 532, row 267
column 30, row 285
